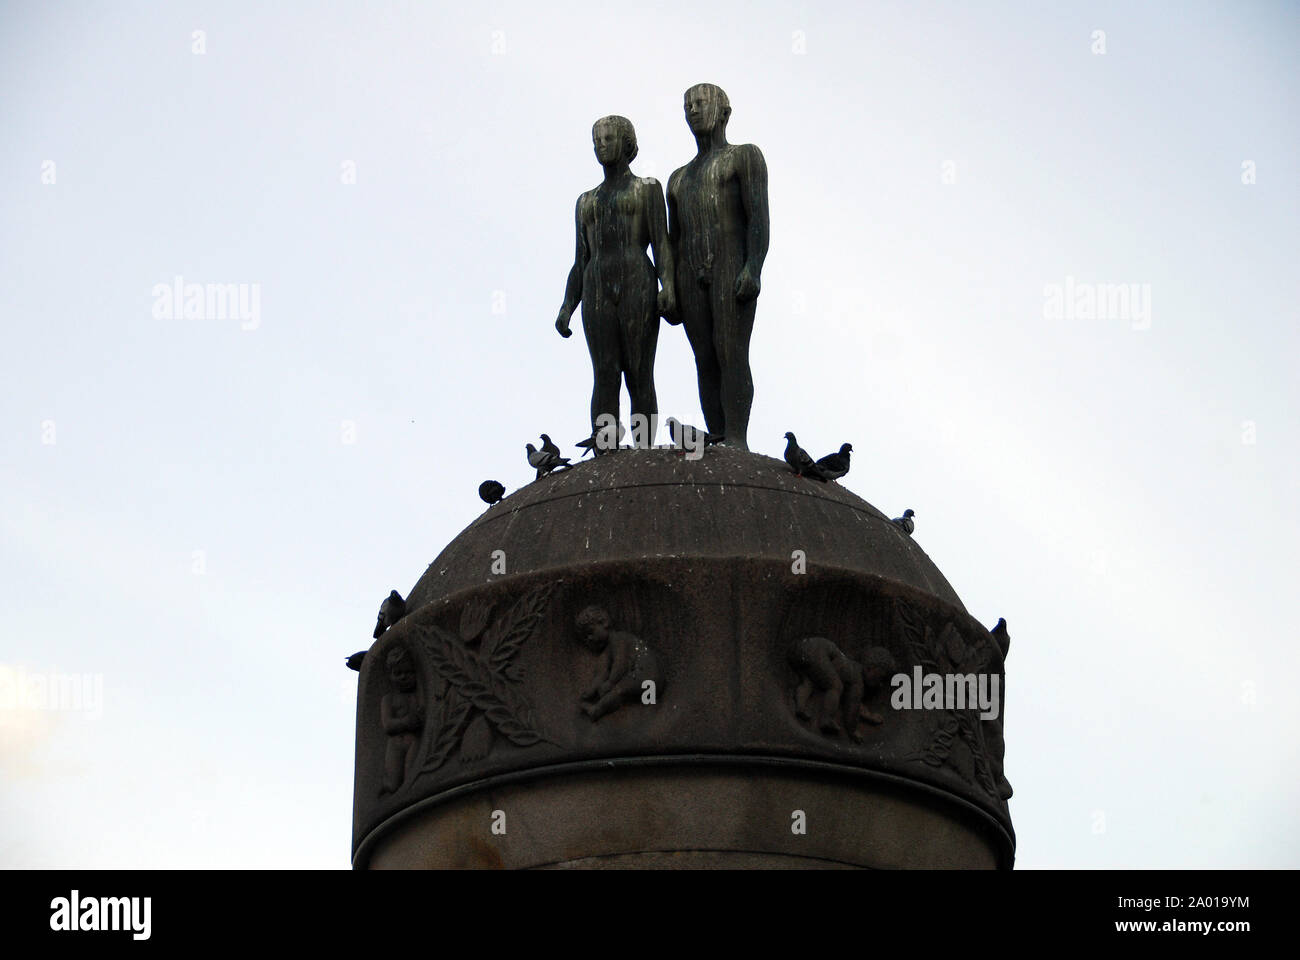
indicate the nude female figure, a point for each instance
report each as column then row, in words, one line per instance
column 622, row 292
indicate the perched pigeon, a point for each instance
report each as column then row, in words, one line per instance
column 905, row 522
column 545, row 462
column 686, row 437
column 800, row 462
column 390, row 611
column 490, row 492
column 1000, row 636
column 601, row 441
column 548, row 446
column 835, row 465
column 354, row 661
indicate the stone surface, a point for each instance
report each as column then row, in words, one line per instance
column 688, row 817
column 757, row 614
column 657, row 503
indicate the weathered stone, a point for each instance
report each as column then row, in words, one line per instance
column 757, row 612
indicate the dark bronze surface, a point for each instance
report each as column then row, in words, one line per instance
column 616, row 283
column 718, row 231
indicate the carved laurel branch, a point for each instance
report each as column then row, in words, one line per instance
column 480, row 681
column 504, row 638
column 954, row 723
column 473, row 618
column 457, row 711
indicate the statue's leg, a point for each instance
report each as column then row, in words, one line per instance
column 394, row 764
column 640, row 340
column 801, row 695
column 830, row 719
column 733, row 323
column 697, row 318
column 412, row 755
column 627, row 690
column 600, row 326
column 826, row 674
column 820, row 676
column 853, row 691
column 610, row 701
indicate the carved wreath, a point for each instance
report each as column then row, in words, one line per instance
column 953, row 723
column 482, row 695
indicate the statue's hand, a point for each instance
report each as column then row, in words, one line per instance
column 668, row 305
column 747, row 286
column 562, row 325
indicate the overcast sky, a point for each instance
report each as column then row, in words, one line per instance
column 202, row 515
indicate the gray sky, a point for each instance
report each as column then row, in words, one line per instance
column 185, row 522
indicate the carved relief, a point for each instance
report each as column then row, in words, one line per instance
column 625, row 665
column 482, row 701
column 834, row 691
column 754, row 663
column 401, row 713
column 946, row 652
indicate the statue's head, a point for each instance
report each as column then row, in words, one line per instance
column 707, row 107
column 614, row 139
column 401, row 668
column 877, row 664
column 593, row 627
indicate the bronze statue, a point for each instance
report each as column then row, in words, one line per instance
column 718, row 231
column 616, row 283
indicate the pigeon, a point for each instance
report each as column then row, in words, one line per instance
column 1001, row 637
column 686, row 437
column 390, row 611
column 600, row 443
column 545, row 462
column 548, row 446
column 800, row 462
column 490, row 492
column 354, row 661
column 835, row 465
column 905, row 522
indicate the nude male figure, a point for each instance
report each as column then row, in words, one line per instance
column 616, row 283
column 718, row 230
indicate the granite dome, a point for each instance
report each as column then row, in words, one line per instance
column 657, row 503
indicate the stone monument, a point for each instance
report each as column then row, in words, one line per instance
column 651, row 660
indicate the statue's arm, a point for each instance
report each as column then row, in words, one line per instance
column 619, row 661
column 753, row 194
column 597, row 677
column 390, row 723
column 603, row 671
column 573, row 288
column 674, row 224
column 660, row 247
